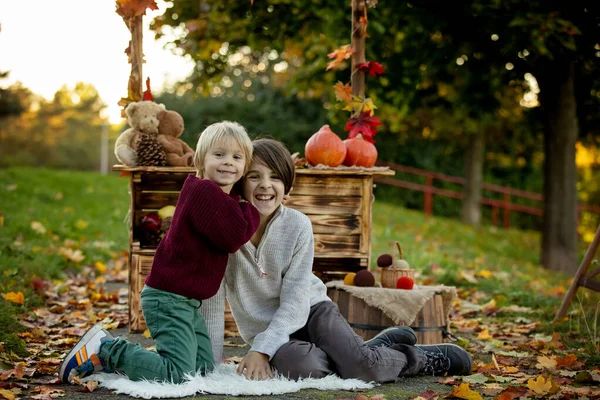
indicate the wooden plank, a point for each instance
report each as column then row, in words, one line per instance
column 367, row 204
column 135, row 308
column 336, row 224
column 336, row 244
column 154, row 200
column 157, row 180
column 322, row 185
column 385, row 171
column 329, row 204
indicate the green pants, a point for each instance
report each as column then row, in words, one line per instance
column 182, row 342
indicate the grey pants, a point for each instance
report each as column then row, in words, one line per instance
column 327, row 344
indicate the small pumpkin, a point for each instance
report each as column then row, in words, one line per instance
column 325, row 147
column 359, row 152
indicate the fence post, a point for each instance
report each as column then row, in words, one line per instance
column 494, row 215
column 428, row 196
column 506, row 206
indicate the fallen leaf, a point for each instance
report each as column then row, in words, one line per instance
column 546, row 363
column 90, row 386
column 428, row 395
column 475, row 378
column 100, row 267
column 81, row 224
column 18, row 297
column 6, row 394
column 540, row 385
column 146, row 334
column 484, row 335
column 463, row 391
column 569, row 362
column 38, row 227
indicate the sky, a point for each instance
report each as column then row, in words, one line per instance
column 47, row 44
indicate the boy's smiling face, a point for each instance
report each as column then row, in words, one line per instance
column 224, row 165
column 263, row 188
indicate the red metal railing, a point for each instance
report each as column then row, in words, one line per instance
column 505, row 204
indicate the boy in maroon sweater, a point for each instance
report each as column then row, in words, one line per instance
column 188, row 267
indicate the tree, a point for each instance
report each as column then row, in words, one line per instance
column 422, row 42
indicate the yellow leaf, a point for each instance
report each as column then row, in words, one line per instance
column 81, row 224
column 343, row 92
column 100, row 267
column 7, row 394
column 469, row 276
column 546, row 362
column 484, row 335
column 339, row 55
column 1, row 220
column 18, row 298
column 484, row 273
column 38, row 227
column 464, row 392
column 72, row 255
column 361, row 104
column 540, row 386
column 146, row 334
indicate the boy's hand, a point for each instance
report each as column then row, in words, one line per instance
column 286, row 196
column 255, row 366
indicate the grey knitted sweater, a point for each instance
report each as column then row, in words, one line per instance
column 268, row 308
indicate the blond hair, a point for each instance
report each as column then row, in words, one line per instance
column 224, row 133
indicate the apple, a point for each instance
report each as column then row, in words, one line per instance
column 405, row 282
column 151, row 222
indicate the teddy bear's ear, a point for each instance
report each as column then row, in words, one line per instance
column 161, row 114
column 130, row 110
column 162, row 106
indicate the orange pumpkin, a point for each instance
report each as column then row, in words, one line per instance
column 359, row 152
column 325, row 147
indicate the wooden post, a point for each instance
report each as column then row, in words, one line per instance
column 506, row 206
column 135, row 78
column 357, row 80
column 428, row 200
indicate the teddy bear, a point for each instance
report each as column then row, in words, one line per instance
column 170, row 127
column 142, row 117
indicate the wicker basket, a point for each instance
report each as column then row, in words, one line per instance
column 390, row 275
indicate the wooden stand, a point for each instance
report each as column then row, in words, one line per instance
column 338, row 203
column 430, row 325
column 581, row 279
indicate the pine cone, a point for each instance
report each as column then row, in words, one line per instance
column 149, row 151
column 165, row 225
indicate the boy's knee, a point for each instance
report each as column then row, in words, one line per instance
column 301, row 360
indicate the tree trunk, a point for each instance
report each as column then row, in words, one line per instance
column 559, row 235
column 471, row 207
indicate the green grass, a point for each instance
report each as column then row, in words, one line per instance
column 85, row 211
column 71, row 211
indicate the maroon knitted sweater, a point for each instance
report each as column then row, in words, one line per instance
column 207, row 226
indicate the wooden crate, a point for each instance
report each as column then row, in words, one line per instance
column 430, row 325
column 338, row 203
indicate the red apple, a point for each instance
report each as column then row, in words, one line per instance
column 404, row 282
column 151, row 222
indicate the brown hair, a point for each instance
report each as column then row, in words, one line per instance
column 277, row 157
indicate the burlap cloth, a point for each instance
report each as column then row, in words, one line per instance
column 401, row 306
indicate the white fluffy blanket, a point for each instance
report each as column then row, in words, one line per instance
column 223, row 380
